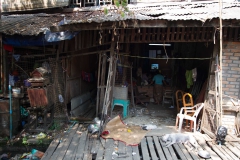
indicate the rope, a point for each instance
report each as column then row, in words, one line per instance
column 126, row 55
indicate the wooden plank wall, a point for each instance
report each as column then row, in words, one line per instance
column 171, row 34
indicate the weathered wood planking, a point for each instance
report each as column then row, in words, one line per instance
column 233, row 149
column 88, row 147
column 217, row 150
column 66, row 142
column 95, row 145
column 165, row 150
column 72, row 149
column 151, row 148
column 188, row 154
column 229, row 152
column 222, row 148
column 173, row 154
column 100, row 152
column 109, row 148
column 136, row 155
column 61, row 146
column 81, row 146
column 159, row 148
column 145, row 154
column 121, row 150
column 53, row 145
column 129, row 153
column 201, row 141
column 179, row 152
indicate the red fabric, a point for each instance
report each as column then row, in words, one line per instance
column 8, row 47
column 86, row 76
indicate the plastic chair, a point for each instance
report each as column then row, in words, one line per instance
column 195, row 110
column 124, row 103
column 188, row 102
column 141, row 97
column 179, row 98
column 168, row 94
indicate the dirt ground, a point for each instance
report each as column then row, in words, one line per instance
column 161, row 117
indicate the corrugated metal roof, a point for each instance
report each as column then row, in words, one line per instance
column 33, row 24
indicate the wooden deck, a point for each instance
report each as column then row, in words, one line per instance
column 76, row 143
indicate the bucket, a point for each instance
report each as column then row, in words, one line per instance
column 120, row 92
column 5, row 117
column 16, row 90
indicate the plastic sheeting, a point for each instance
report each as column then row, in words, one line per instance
column 59, row 36
column 18, row 40
column 41, row 40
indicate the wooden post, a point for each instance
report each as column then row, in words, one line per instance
column 103, row 78
column 220, row 59
column 5, row 73
column 1, row 50
column 98, row 82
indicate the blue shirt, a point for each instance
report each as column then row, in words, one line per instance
column 158, row 78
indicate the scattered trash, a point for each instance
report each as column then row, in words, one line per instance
column 114, row 154
column 204, row 154
column 4, row 156
column 171, row 107
column 41, row 136
column 37, row 153
column 149, row 126
column 104, row 133
column 94, row 128
column 33, row 155
column 134, row 153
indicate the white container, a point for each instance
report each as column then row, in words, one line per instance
column 120, row 92
column 16, row 90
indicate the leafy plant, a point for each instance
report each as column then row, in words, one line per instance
column 55, row 126
column 121, row 6
column 24, row 140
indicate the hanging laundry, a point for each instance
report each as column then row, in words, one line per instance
column 8, row 47
column 87, row 76
column 119, row 67
column 194, row 74
column 16, row 56
column 189, row 79
column 11, row 80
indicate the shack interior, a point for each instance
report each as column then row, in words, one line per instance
column 65, row 85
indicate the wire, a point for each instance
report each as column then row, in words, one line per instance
column 165, row 52
column 126, row 55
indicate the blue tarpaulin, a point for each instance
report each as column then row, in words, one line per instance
column 40, row 40
column 18, row 40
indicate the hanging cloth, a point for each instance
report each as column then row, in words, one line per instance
column 194, row 74
column 189, row 79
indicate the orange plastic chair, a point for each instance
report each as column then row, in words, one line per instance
column 188, row 103
column 179, row 98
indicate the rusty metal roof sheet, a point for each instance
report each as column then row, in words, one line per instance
column 34, row 24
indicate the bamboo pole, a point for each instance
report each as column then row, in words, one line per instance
column 98, row 82
column 220, row 59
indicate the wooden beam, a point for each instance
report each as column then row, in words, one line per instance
column 236, row 35
column 37, row 48
column 144, row 35
column 143, row 24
